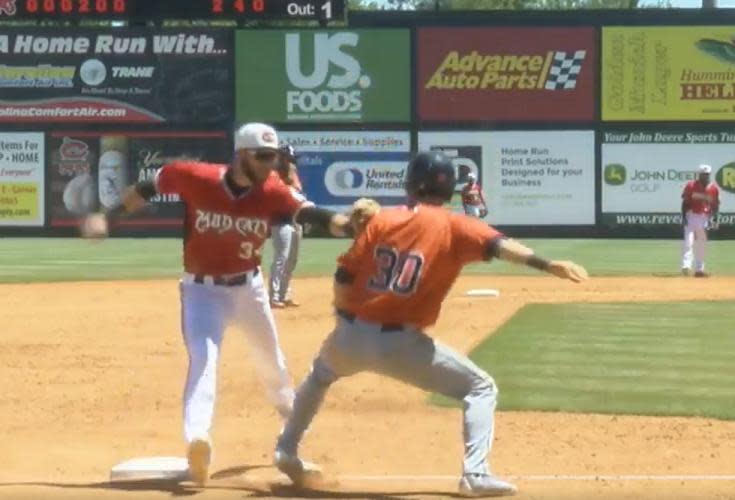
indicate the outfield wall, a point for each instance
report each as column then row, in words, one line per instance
column 576, row 123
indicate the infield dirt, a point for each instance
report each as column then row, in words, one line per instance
column 92, row 374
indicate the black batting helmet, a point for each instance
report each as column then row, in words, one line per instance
column 430, row 173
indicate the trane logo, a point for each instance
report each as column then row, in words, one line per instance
column 133, row 71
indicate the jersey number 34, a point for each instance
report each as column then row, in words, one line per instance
column 398, row 272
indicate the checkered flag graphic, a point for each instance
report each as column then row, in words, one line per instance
column 564, row 70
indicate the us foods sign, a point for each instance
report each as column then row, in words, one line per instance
column 479, row 74
column 327, row 76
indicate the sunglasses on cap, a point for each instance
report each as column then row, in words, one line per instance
column 266, row 155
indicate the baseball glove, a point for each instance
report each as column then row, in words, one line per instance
column 483, row 212
column 362, row 211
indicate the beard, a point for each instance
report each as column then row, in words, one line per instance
column 257, row 175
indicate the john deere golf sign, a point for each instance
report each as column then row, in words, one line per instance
column 644, row 173
column 323, row 76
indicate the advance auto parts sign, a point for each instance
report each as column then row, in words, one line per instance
column 115, row 76
column 479, row 74
column 644, row 173
column 334, row 76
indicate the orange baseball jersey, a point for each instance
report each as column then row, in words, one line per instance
column 701, row 199
column 406, row 260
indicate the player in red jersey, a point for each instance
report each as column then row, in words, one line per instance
column 228, row 209
column 473, row 200
column 699, row 206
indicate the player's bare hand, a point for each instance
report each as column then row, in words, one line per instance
column 95, row 226
column 568, row 270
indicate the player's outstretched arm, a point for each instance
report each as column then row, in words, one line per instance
column 337, row 224
column 514, row 251
column 134, row 198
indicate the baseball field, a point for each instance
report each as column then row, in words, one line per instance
column 622, row 387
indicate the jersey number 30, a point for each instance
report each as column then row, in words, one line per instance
column 397, row 272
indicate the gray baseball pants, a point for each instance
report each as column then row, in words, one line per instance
column 286, row 242
column 404, row 354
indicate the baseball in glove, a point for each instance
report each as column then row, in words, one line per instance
column 362, row 211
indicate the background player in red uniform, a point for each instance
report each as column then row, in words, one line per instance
column 473, row 200
column 699, row 206
column 228, row 210
column 389, row 287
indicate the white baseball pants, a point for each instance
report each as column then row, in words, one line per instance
column 695, row 241
column 207, row 309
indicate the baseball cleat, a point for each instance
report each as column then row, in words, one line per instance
column 298, row 471
column 485, row 485
column 291, row 303
column 199, row 456
column 685, row 271
column 701, row 274
column 277, row 304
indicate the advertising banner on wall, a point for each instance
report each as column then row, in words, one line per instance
column 323, row 76
column 668, row 73
column 511, row 74
column 115, row 76
column 529, row 178
column 645, row 171
column 22, row 160
column 337, row 168
column 89, row 170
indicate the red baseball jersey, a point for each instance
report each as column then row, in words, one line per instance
column 297, row 182
column 701, row 199
column 406, row 260
column 224, row 233
column 472, row 195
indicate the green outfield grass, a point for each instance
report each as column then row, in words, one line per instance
column 56, row 259
column 648, row 359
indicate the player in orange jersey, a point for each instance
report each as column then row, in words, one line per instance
column 389, row 287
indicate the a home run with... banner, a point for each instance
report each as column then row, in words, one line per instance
column 115, row 76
